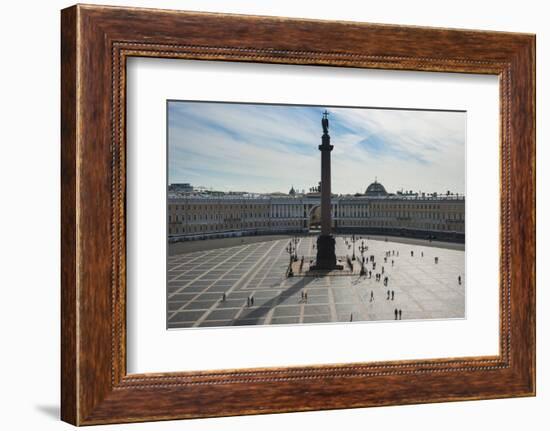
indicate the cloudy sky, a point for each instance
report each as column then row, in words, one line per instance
column 269, row 148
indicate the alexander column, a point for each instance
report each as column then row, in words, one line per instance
column 326, row 256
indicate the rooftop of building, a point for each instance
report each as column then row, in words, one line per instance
column 374, row 191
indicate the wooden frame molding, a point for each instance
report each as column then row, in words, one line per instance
column 95, row 43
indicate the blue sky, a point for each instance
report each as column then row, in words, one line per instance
column 269, row 148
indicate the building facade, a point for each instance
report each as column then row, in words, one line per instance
column 192, row 216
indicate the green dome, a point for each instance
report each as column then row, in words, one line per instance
column 376, row 189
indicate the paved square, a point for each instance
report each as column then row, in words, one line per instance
column 257, row 292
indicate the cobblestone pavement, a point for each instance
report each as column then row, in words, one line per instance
column 422, row 289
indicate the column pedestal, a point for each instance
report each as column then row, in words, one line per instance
column 326, row 255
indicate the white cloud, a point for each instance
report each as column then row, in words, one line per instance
column 265, row 148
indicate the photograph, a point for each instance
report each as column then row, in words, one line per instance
column 298, row 214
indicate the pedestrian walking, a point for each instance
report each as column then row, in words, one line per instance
column 252, row 301
column 248, row 301
column 422, row 254
column 371, row 296
column 399, row 314
column 459, row 280
column 223, row 297
column 392, row 262
column 395, row 312
column 412, row 253
column 351, row 317
column 388, row 295
column 392, row 295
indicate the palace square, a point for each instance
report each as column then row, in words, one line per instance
column 214, row 287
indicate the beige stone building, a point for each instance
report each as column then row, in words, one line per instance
column 195, row 216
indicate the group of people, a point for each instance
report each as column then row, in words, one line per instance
column 390, row 294
column 378, row 277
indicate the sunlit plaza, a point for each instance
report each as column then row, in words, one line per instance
column 249, row 283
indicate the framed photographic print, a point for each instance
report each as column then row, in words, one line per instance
column 322, row 214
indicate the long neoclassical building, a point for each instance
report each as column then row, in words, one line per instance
column 196, row 215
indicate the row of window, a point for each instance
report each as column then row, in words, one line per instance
column 208, row 207
column 209, row 228
column 236, row 217
column 399, row 225
column 280, row 209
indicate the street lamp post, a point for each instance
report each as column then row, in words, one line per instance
column 290, row 250
column 362, row 249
